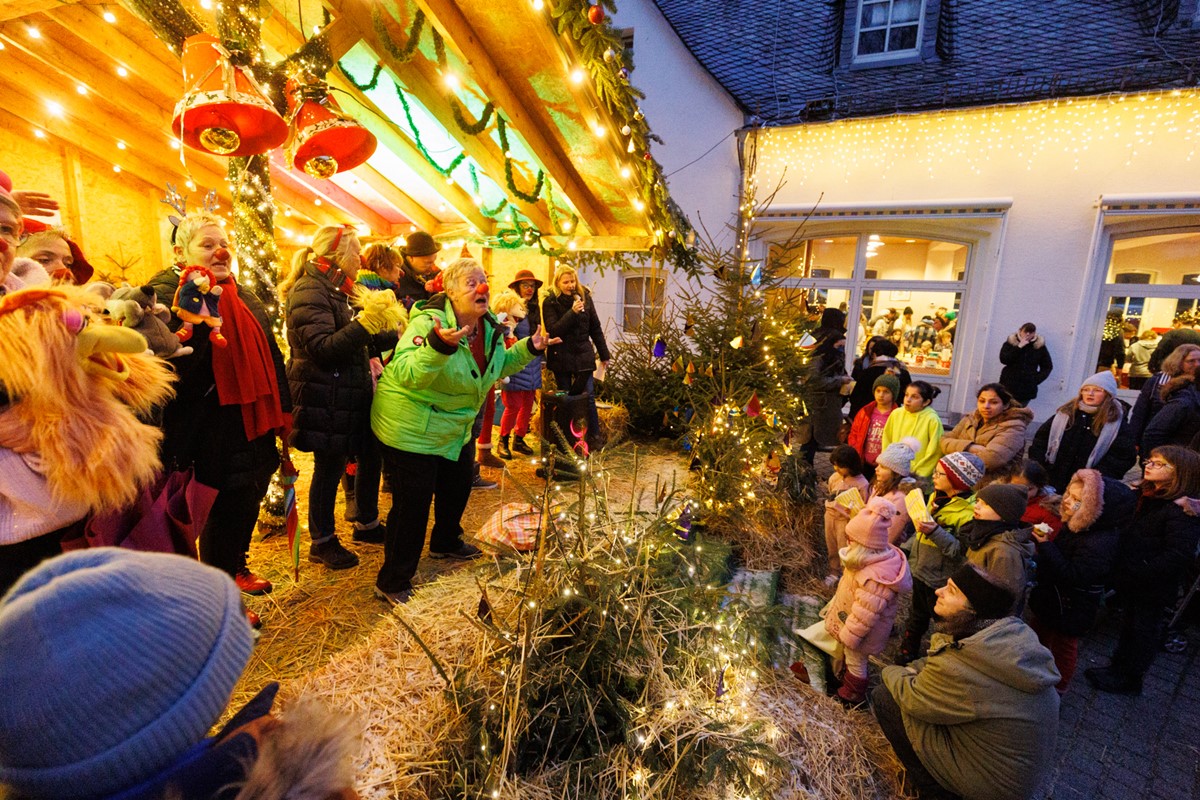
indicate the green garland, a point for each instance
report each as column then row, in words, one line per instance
column 404, row 54
column 362, row 87
column 530, row 198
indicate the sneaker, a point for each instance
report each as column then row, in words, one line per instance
column 519, row 446
column 481, row 482
column 465, row 552
column 486, row 459
column 250, row 583
column 332, row 554
column 373, row 533
column 393, row 598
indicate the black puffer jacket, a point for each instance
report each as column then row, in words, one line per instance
column 201, row 433
column 409, row 288
column 1025, row 367
column 1072, row 569
column 1155, row 550
column 577, row 331
column 1076, row 446
column 1178, row 421
column 328, row 371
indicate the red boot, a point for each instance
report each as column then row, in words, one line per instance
column 853, row 693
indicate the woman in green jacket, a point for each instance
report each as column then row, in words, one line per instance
column 447, row 361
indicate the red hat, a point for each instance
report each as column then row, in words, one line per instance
column 525, row 275
column 81, row 271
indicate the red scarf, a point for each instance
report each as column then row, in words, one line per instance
column 334, row 275
column 245, row 371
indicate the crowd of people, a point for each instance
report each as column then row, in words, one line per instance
column 1008, row 552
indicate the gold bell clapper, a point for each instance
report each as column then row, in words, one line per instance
column 324, row 140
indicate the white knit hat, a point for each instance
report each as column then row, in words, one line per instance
column 1103, row 380
column 898, row 456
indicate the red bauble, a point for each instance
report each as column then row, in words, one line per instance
column 595, row 14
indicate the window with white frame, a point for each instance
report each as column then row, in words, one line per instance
column 888, row 28
column 907, row 287
column 1162, row 263
column 643, row 295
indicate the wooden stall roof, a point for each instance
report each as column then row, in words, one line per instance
column 564, row 167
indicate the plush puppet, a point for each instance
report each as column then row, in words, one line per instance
column 76, row 388
column 196, row 304
column 136, row 307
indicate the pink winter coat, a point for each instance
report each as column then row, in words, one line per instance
column 864, row 607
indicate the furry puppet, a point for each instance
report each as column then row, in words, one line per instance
column 136, row 307
column 196, row 304
column 75, row 389
column 509, row 309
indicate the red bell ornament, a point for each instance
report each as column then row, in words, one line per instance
column 324, row 140
column 223, row 111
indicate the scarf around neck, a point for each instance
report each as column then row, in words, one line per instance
column 1058, row 426
column 244, row 371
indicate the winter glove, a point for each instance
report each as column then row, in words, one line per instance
column 380, row 311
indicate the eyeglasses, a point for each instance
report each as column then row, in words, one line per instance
column 1159, row 464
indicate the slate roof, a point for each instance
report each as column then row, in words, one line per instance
column 787, row 61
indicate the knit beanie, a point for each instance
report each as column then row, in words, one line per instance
column 898, row 456
column 988, row 600
column 869, row 527
column 1006, row 499
column 963, row 469
column 113, row 663
column 1102, row 380
column 420, row 243
column 889, row 382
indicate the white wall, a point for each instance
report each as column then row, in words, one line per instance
column 691, row 113
column 1047, row 164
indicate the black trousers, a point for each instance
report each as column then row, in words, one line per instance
column 923, row 600
column 1142, row 629
column 891, row 721
column 226, row 537
column 419, row 479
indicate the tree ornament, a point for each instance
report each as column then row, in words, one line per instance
column 595, row 14
column 626, row 130
column 610, row 54
column 324, row 140
column 223, row 110
column 624, row 73
column 646, row 156
column 638, row 115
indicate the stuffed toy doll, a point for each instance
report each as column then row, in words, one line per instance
column 136, row 307
column 196, row 304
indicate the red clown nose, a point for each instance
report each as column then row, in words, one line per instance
column 221, row 254
column 481, row 289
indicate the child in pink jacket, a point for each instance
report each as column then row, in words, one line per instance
column 847, row 474
column 874, row 576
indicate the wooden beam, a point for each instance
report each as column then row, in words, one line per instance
column 337, row 197
column 390, row 192
column 607, row 243
column 131, row 43
column 17, row 9
column 419, row 77
column 460, row 36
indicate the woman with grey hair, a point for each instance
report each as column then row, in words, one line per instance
column 450, row 356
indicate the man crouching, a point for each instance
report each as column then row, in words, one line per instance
column 978, row 717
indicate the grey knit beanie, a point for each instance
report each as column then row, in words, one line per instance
column 1008, row 500
column 113, row 664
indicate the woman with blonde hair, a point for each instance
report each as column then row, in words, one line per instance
column 55, row 252
column 330, row 376
column 1178, row 421
column 230, row 404
column 569, row 313
column 1183, row 360
column 1089, row 432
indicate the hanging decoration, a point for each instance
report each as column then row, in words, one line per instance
column 324, row 140
column 595, row 14
column 223, row 110
column 660, row 348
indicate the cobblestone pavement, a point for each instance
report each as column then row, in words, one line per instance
column 1112, row 747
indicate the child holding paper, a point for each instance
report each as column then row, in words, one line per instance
column 934, row 552
column 893, row 480
column 842, row 504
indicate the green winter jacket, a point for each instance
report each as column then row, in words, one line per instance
column 430, row 393
column 982, row 713
column 933, row 556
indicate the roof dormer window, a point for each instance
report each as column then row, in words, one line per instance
column 887, row 29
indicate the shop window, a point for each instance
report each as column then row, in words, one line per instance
column 888, row 28
column 643, row 296
column 1163, row 267
column 879, row 277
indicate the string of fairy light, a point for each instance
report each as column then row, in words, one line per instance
column 944, row 143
